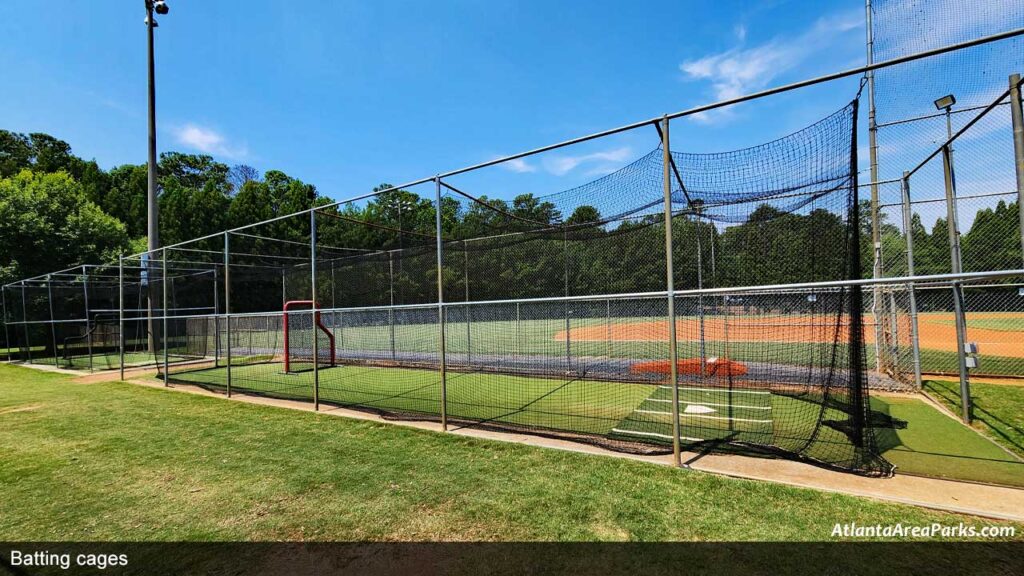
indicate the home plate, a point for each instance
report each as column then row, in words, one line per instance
column 697, row 409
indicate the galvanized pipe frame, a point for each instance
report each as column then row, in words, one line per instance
column 909, row 232
column 922, row 282
column 959, row 197
column 7, row 335
column 673, row 344
column 1017, row 118
column 876, row 237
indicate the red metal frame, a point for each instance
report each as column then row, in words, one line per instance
column 316, row 322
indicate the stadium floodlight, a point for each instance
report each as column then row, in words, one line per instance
column 161, row 7
column 945, row 103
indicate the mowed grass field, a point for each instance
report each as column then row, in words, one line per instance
column 115, row 461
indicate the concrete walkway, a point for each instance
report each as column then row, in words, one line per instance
column 995, row 502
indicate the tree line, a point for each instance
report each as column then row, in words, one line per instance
column 58, row 210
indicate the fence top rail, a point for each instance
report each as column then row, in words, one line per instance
column 924, row 281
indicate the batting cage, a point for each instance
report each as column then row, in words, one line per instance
column 551, row 314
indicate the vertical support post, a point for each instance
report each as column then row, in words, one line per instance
column 908, row 227
column 391, row 308
column 957, row 268
column 568, row 326
column 24, row 323
column 163, row 276
column 120, row 314
column 53, row 324
column 673, row 351
column 334, row 306
column 700, row 302
column 88, row 327
column 7, row 335
column 876, row 234
column 316, row 310
column 469, row 309
column 216, row 319
column 227, row 308
column 608, row 329
column 284, row 288
column 1018, row 149
column 440, row 306
column 519, row 346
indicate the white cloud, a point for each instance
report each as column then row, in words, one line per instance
column 208, row 141
column 519, row 166
column 742, row 70
column 741, row 32
column 562, row 165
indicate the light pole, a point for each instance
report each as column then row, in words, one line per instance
column 956, row 260
column 152, row 208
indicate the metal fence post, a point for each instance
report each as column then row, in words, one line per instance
column 88, row 330
column 671, row 291
column 120, row 314
column 163, row 276
column 7, row 335
column 316, row 313
column 24, row 323
column 568, row 304
column 336, row 316
column 216, row 319
column 440, row 307
column 519, row 344
column 700, row 302
column 957, row 267
column 53, row 324
column 391, row 309
column 227, row 308
column 876, row 234
column 465, row 282
column 608, row 329
column 908, row 227
column 1018, row 149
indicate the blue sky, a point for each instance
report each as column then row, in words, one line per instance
column 346, row 95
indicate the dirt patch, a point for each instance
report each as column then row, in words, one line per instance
column 15, row 409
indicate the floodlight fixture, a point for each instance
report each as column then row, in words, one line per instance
column 161, row 7
column 945, row 103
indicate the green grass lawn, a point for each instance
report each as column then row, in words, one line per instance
column 998, row 409
column 976, row 320
column 121, row 462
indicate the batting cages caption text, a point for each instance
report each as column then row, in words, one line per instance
column 64, row 561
